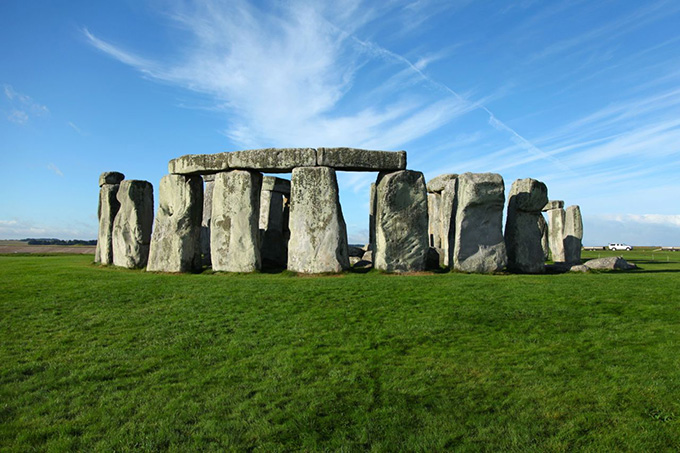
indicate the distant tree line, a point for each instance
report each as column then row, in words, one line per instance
column 42, row 241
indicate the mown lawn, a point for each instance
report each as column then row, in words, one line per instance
column 106, row 359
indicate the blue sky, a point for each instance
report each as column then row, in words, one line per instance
column 582, row 95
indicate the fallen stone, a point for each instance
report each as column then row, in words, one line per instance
column 318, row 235
column 401, row 222
column 479, row 243
column 353, row 260
column 199, row 164
column 274, row 184
column 209, row 183
column 368, row 256
column 579, row 268
column 234, row 232
column 610, row 263
column 353, row 159
column 175, row 242
column 108, row 208
column 573, row 234
column 272, row 160
column 132, row 226
column 110, row 177
column 523, row 234
column 354, row 251
column 438, row 183
column 361, row 264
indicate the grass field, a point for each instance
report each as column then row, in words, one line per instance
column 108, row 359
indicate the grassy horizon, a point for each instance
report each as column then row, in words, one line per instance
column 101, row 358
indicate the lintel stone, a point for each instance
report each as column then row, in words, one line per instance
column 439, row 183
column 553, row 204
column 272, row 160
column 354, row 159
column 110, row 177
column 199, row 164
column 274, row 184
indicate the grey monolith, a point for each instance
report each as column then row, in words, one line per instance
column 209, row 182
column 447, row 223
column 556, row 219
column 434, row 219
column 523, row 232
column 401, row 223
column 106, row 213
column 176, row 238
column 371, row 218
column 573, row 234
column 545, row 244
column 132, row 227
column 273, row 246
column 318, row 235
column 479, row 243
column 234, row 232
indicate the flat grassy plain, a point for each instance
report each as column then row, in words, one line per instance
column 96, row 358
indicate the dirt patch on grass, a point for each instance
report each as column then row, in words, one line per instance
column 43, row 249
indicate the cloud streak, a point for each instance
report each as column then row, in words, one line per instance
column 22, row 107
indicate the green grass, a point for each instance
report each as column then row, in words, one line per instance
column 108, row 359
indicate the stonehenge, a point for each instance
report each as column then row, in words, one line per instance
column 219, row 210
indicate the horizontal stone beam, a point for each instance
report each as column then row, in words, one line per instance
column 284, row 160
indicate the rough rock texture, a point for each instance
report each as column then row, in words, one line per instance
column 556, row 219
column 573, row 234
column 447, row 223
column 371, row 218
column 401, row 222
column 479, row 243
column 545, row 244
column 199, row 164
column 579, row 268
column 234, row 232
column 438, row 183
column 434, row 219
column 175, row 242
column 523, row 233
column 318, row 235
column 273, row 240
column 272, row 160
column 132, row 226
column 610, row 263
column 209, row 181
column 361, row 159
column 108, row 208
column 553, row 204
column 110, row 177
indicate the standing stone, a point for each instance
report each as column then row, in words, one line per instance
column 401, row 222
column 273, row 241
column 573, row 234
column 234, row 232
column 371, row 218
column 318, row 235
column 447, row 224
column 479, row 243
column 132, row 227
column 209, row 181
column 434, row 219
column 523, row 233
column 545, row 244
column 175, row 242
column 556, row 219
column 106, row 213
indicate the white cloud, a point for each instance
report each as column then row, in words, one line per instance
column 22, row 106
column 52, row 167
column 25, row 228
column 653, row 219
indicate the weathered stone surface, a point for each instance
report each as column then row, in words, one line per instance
column 110, row 177
column 318, row 235
column 353, row 250
column 209, row 183
column 610, row 263
column 438, row 183
column 368, row 256
column 556, row 219
column 434, row 219
column 108, row 208
column 175, row 242
column 573, row 234
column 401, row 222
column 132, row 226
column 553, row 204
column 275, row 184
column 545, row 244
column 447, row 223
column 479, row 243
column 273, row 240
column 353, row 159
column 579, row 268
column 199, row 164
column 272, row 160
column 234, row 232
column 371, row 218
column 523, row 234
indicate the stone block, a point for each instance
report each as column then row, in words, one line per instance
column 434, row 219
column 318, row 235
column 556, row 219
column 273, row 240
column 234, row 232
column 523, row 233
column 274, row 184
column 573, row 234
column 479, row 243
column 107, row 210
column 272, row 160
column 545, row 243
column 208, row 184
column 438, row 183
column 447, row 222
column 132, row 226
column 353, row 159
column 175, row 242
column 553, row 204
column 401, row 223
column 199, row 164
column 371, row 217
column 110, row 177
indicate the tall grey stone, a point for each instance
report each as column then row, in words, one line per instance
column 209, row 182
column 401, row 223
column 479, row 243
column 273, row 246
column 106, row 213
column 132, row 226
column 556, row 221
column 371, row 218
column 447, row 223
column 434, row 219
column 573, row 234
column 318, row 235
column 175, row 242
column 545, row 244
column 234, row 232
column 523, row 232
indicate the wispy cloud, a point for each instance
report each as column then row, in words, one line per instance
column 22, row 107
column 54, row 169
column 75, row 128
column 26, row 228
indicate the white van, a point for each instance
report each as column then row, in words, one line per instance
column 620, row 247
